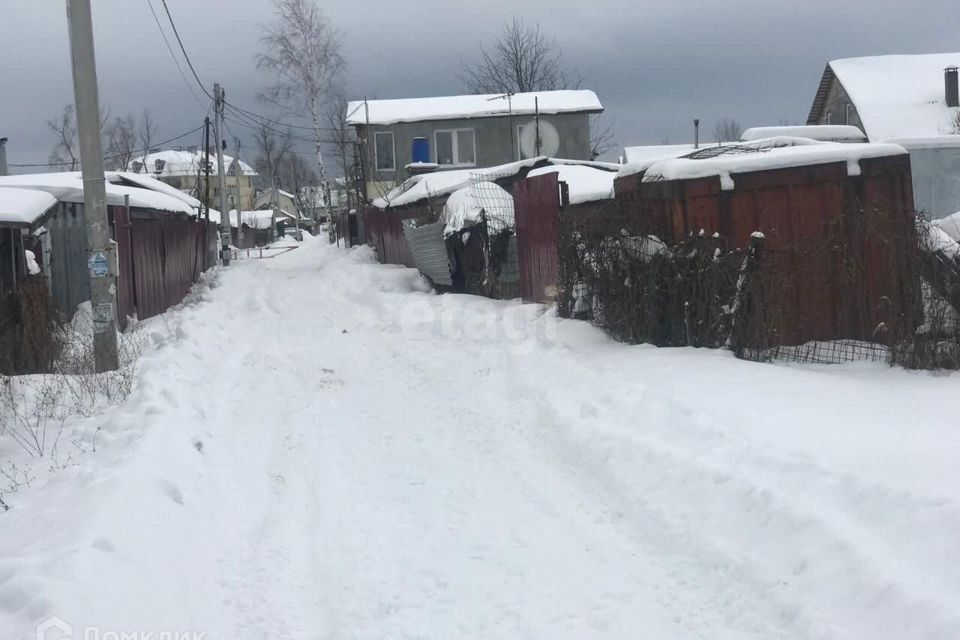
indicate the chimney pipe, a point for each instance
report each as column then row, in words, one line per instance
column 696, row 133
column 951, row 87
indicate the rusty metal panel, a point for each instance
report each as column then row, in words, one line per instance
column 126, row 307
column 429, row 251
column 537, row 211
column 147, row 243
column 385, row 233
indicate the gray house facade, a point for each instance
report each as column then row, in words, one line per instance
column 911, row 100
column 400, row 138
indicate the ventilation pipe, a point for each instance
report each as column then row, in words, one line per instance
column 952, row 89
column 696, row 133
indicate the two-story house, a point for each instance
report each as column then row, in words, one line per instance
column 186, row 170
column 402, row 137
column 911, row 100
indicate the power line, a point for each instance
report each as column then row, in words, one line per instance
column 184, row 50
column 173, row 55
column 110, row 157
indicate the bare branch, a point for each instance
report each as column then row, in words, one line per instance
column 522, row 59
column 727, row 130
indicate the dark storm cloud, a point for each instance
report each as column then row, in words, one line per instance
column 655, row 65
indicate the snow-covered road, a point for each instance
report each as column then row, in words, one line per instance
column 317, row 448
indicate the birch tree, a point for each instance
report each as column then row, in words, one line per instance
column 302, row 51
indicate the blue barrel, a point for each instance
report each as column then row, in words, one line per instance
column 421, row 150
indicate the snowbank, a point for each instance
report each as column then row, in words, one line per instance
column 385, row 112
column 412, row 465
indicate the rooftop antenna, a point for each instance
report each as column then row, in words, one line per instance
column 509, row 98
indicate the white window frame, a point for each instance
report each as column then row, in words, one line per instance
column 393, row 146
column 456, row 147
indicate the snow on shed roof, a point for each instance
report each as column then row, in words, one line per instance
column 900, row 96
column 766, row 155
column 821, row 132
column 68, row 187
column 441, row 183
column 146, row 182
column 584, row 183
column 471, row 106
column 174, row 162
column 23, row 207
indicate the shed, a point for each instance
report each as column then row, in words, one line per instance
column 835, row 217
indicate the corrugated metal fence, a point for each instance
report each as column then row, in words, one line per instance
column 537, row 210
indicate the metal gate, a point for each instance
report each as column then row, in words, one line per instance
column 537, row 211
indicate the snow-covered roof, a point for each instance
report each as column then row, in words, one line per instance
column 648, row 153
column 258, row 219
column 441, row 183
column 900, row 96
column 471, row 106
column 182, row 163
column 584, row 183
column 821, row 132
column 766, row 155
column 68, row 187
column 23, row 207
column 146, row 182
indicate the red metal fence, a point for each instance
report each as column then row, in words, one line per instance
column 537, row 210
column 159, row 257
column 384, row 231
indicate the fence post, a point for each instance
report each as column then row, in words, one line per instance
column 748, row 302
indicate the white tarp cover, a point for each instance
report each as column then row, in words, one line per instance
column 465, row 208
column 384, row 112
column 23, row 207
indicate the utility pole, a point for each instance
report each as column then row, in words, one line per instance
column 101, row 254
column 3, row 156
column 224, row 214
column 236, row 166
column 206, row 165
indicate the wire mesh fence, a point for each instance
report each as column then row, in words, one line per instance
column 863, row 287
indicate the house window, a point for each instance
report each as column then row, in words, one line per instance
column 456, row 147
column 384, row 149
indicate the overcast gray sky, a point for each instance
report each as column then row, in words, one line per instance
column 655, row 65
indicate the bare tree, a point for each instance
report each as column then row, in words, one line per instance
column 120, row 136
column 65, row 153
column 148, row 130
column 302, row 50
column 727, row 130
column 601, row 137
column 522, row 59
column 273, row 150
column 340, row 133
